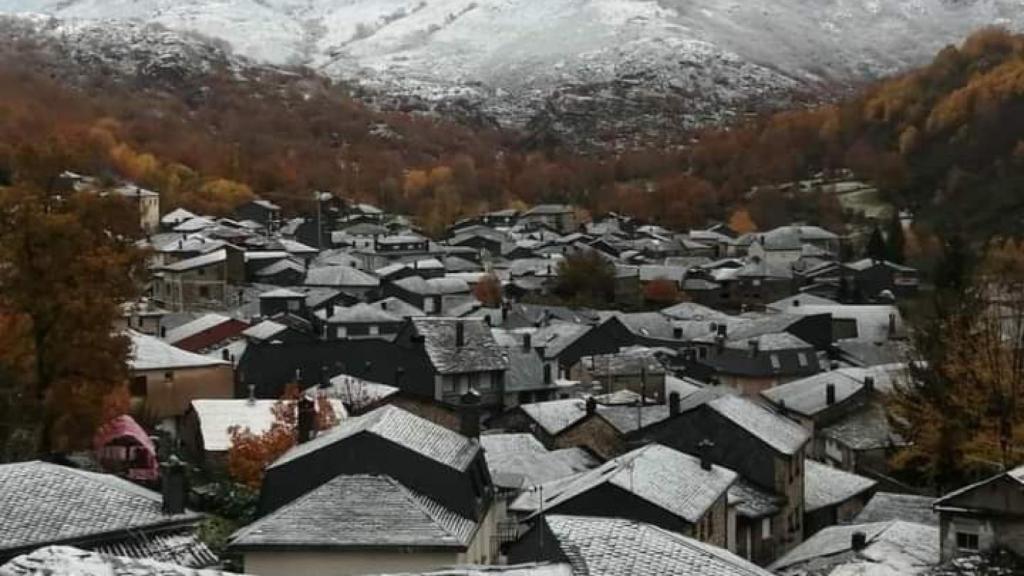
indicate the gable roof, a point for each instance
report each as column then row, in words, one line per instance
column 341, row 276
column 614, row 546
column 479, row 352
column 807, row 396
column 201, row 324
column 151, row 353
column 780, row 433
column 827, row 486
column 1014, row 477
column 893, row 548
column 886, row 506
column 399, row 427
column 200, row 261
column 659, row 475
column 359, row 511
column 555, row 416
column 43, row 503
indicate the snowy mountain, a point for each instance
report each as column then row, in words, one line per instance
column 553, row 64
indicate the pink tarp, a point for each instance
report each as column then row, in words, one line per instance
column 123, row 445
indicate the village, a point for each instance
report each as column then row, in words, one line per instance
column 540, row 392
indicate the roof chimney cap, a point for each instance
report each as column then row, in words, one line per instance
column 704, row 449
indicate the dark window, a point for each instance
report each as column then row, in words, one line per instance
column 204, row 291
column 168, row 375
column 967, row 541
column 138, row 386
column 547, row 373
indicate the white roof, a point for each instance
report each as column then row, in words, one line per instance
column 151, row 353
column 216, row 416
column 195, row 327
column 198, row 261
column 176, row 216
column 194, row 224
column 264, row 330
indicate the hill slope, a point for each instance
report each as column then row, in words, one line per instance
column 545, row 64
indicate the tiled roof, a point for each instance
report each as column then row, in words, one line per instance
column 359, row 511
column 616, row 547
column 479, row 352
column 402, row 428
column 664, row 477
column 65, row 560
column 892, row 548
column 828, row 486
column 782, row 434
column 753, row 501
column 885, row 506
column 520, row 460
column 42, row 503
column 554, row 416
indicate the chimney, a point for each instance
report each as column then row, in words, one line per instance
column 673, row 404
column 163, row 331
column 591, row 405
column 704, row 451
column 527, row 341
column 469, row 420
column 859, row 541
column 830, row 393
column 869, row 383
column 384, row 305
column 677, row 333
column 782, row 407
column 755, row 346
column 173, row 486
column 307, row 419
column 460, row 334
column 796, row 303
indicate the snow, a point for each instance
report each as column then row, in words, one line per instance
column 150, row 353
column 513, row 57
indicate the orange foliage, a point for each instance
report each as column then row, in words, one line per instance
column 250, row 453
column 661, row 291
column 488, row 291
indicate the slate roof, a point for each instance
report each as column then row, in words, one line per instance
column 557, row 336
column 480, row 352
column 151, row 353
column 667, row 478
column 525, row 366
column 555, row 416
column 200, row 261
column 42, row 503
column 624, row 418
column 397, row 426
column 65, row 560
column 807, row 396
column 363, row 313
column 827, row 486
column 398, row 307
column 865, row 429
column 264, row 330
column 281, row 266
column 886, row 506
column 359, row 511
column 893, row 549
column 520, row 460
column 782, row 434
column 752, row 501
column 616, row 547
column 340, row 276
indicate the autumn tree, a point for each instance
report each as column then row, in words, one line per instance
column 66, row 266
column 251, row 452
column 741, row 222
column 488, row 290
column 661, row 291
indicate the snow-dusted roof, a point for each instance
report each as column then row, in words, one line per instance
column 177, row 216
column 65, row 560
column 151, row 353
column 264, row 330
column 363, row 313
column 892, row 549
column 341, row 276
column 828, row 486
column 194, row 327
column 216, row 416
column 782, row 434
column 198, row 261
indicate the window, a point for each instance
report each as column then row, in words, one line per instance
column 766, row 529
column 342, row 331
column 374, row 330
column 756, row 282
column 485, row 382
column 776, row 365
column 448, row 383
column 801, row 357
column 169, row 376
column 547, row 373
column 293, row 305
column 702, row 353
column 201, row 272
column 204, row 291
column 138, row 386
column 967, row 541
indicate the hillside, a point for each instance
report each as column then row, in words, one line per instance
column 612, row 71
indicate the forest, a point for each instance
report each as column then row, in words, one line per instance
column 934, row 140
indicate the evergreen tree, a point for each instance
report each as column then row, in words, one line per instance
column 895, row 239
column 876, row 248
